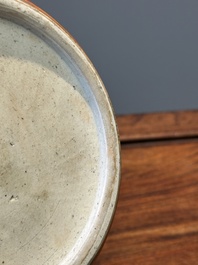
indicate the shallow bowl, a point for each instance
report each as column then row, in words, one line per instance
column 59, row 171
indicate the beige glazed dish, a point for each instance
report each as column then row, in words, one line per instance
column 59, row 159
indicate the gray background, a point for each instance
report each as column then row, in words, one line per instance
column 146, row 51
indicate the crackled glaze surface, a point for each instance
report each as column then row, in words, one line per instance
column 59, row 164
column 48, row 160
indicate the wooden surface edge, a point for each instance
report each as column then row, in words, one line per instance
column 154, row 126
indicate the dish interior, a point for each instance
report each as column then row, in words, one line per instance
column 51, row 158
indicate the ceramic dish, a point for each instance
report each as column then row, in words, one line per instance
column 59, row 171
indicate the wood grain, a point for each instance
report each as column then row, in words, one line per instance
column 156, row 221
column 158, row 126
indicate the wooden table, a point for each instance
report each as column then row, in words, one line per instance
column 156, row 221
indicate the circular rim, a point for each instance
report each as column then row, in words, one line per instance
column 27, row 12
